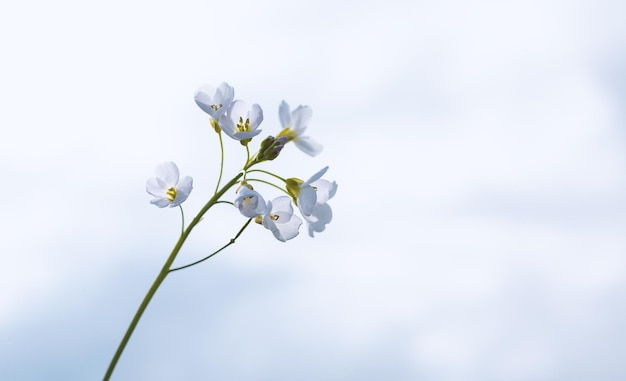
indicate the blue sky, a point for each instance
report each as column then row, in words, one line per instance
column 478, row 229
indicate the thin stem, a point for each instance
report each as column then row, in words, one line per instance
column 268, row 173
column 232, row 240
column 182, row 216
column 268, row 183
column 163, row 273
column 219, row 179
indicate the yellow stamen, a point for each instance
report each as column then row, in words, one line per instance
column 243, row 126
column 171, row 194
column 289, row 133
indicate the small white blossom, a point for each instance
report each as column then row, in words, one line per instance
column 166, row 187
column 294, row 124
column 321, row 214
column 280, row 220
column 250, row 203
column 241, row 123
column 214, row 101
column 304, row 194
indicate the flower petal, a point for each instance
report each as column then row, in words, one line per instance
column 306, row 200
column 250, row 203
column 284, row 114
column 160, row 202
column 301, row 117
column 227, row 125
column 325, row 190
column 288, row 230
column 168, row 173
column 316, row 176
column 319, row 218
column 224, row 94
column 282, row 206
column 308, row 145
column 155, row 187
column 204, row 99
column 256, row 116
column 182, row 191
column 238, row 109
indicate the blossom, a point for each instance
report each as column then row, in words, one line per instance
column 241, row 123
column 166, row 187
column 303, row 194
column 270, row 148
column 321, row 213
column 280, row 220
column 250, row 203
column 214, row 101
column 294, row 124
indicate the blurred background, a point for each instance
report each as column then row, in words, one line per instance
column 478, row 228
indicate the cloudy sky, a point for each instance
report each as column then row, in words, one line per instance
column 478, row 229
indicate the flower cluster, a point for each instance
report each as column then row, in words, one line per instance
column 241, row 122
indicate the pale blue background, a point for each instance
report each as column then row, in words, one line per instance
column 479, row 225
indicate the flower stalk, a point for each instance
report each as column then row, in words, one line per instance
column 241, row 123
column 164, row 271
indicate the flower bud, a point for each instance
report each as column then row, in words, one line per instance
column 270, row 148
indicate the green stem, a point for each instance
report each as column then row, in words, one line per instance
column 232, row 240
column 268, row 183
column 268, row 173
column 182, row 217
column 219, row 179
column 163, row 273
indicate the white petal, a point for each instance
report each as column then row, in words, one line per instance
column 227, row 125
column 306, row 200
column 282, row 204
column 308, row 145
column 301, row 117
column 168, row 172
column 204, row 100
column 250, row 203
column 238, row 109
column 226, row 94
column 284, row 115
column 316, row 176
column 155, row 187
column 325, row 190
column 288, row 230
column 282, row 208
column 256, row 116
column 319, row 218
column 160, row 202
column 183, row 190
column 244, row 135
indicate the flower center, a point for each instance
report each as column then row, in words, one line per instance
column 249, row 201
column 171, row 194
column 289, row 133
column 274, row 217
column 243, row 126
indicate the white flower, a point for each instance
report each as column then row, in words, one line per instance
column 241, row 123
column 280, row 220
column 166, row 187
column 294, row 124
column 321, row 214
column 250, row 203
column 304, row 194
column 214, row 101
